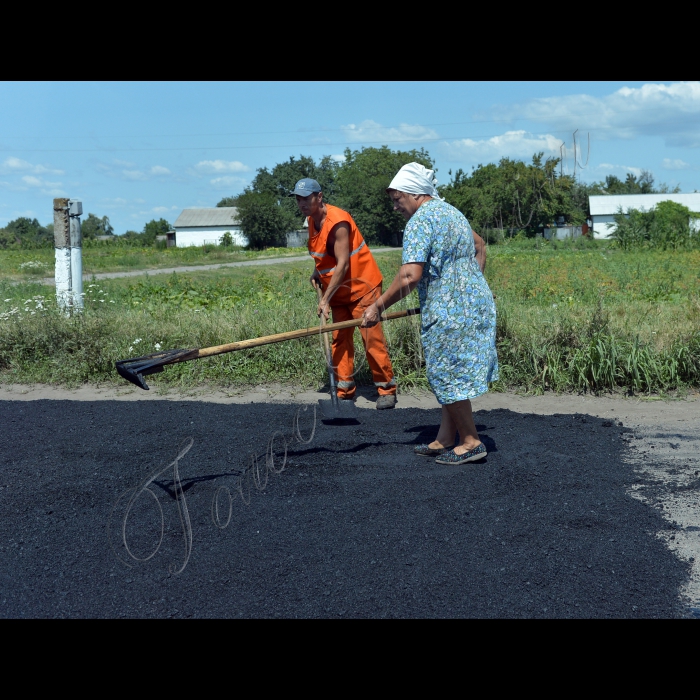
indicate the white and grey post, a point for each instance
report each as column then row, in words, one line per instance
column 68, row 242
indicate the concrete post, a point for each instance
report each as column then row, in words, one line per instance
column 61, row 237
column 75, row 209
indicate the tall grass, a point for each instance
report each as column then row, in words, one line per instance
column 587, row 320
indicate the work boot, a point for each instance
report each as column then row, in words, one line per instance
column 386, row 401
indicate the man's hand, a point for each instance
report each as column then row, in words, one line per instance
column 370, row 316
column 323, row 308
column 315, row 280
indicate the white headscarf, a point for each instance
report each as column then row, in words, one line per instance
column 415, row 178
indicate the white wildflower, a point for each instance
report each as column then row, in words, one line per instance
column 131, row 347
column 157, row 346
column 8, row 299
column 138, row 340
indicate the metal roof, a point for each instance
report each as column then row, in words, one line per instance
column 611, row 203
column 215, row 216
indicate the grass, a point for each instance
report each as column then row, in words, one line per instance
column 570, row 318
column 105, row 256
column 25, row 265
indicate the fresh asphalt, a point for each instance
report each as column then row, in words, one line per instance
column 355, row 526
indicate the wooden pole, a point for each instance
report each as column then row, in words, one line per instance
column 291, row 335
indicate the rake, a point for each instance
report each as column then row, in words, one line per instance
column 136, row 368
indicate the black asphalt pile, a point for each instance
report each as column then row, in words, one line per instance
column 355, row 525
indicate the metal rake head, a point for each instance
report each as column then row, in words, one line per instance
column 135, row 369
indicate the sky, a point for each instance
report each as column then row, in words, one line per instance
column 139, row 151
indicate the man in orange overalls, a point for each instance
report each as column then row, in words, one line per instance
column 351, row 281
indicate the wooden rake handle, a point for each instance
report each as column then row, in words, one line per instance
column 291, row 335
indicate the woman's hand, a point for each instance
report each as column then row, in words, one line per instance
column 370, row 316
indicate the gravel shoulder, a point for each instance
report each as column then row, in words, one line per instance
column 570, row 515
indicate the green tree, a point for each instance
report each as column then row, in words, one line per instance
column 667, row 226
column 514, row 195
column 360, row 184
column 633, row 184
column 279, row 182
column 93, row 226
column 154, row 228
column 228, row 202
column 26, row 233
column 263, row 220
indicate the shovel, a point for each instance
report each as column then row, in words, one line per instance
column 136, row 368
column 333, row 408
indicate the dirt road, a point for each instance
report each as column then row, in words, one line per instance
column 199, row 268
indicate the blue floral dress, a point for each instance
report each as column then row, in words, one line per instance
column 458, row 313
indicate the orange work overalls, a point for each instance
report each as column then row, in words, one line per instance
column 361, row 286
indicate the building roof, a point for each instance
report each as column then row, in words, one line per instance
column 610, row 203
column 214, row 216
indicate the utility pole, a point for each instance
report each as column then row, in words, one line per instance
column 75, row 210
column 68, row 250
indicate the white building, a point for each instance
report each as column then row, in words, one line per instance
column 604, row 207
column 202, row 226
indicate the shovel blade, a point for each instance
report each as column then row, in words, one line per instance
column 333, row 410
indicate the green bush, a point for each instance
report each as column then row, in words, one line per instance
column 666, row 227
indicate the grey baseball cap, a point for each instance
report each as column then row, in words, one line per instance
column 306, row 186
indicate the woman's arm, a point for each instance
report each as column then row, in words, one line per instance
column 403, row 284
column 480, row 246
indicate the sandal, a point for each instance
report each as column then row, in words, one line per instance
column 451, row 457
column 425, row 451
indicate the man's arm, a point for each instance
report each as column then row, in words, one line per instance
column 480, row 246
column 339, row 247
column 402, row 285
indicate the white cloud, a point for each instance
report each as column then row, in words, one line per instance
column 114, row 202
column 52, row 189
column 372, row 132
column 512, row 144
column 126, row 170
column 16, row 165
column 134, row 175
column 228, row 181
column 338, row 157
column 672, row 111
column 160, row 210
column 13, row 186
column 221, row 166
column 32, row 181
column 609, row 167
column 676, row 164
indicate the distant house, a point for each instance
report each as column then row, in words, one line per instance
column 299, row 238
column 604, row 207
column 202, row 226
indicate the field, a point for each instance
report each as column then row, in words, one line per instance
column 588, row 318
column 27, row 265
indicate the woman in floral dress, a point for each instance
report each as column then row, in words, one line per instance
column 458, row 313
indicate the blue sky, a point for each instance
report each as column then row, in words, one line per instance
column 138, row 151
